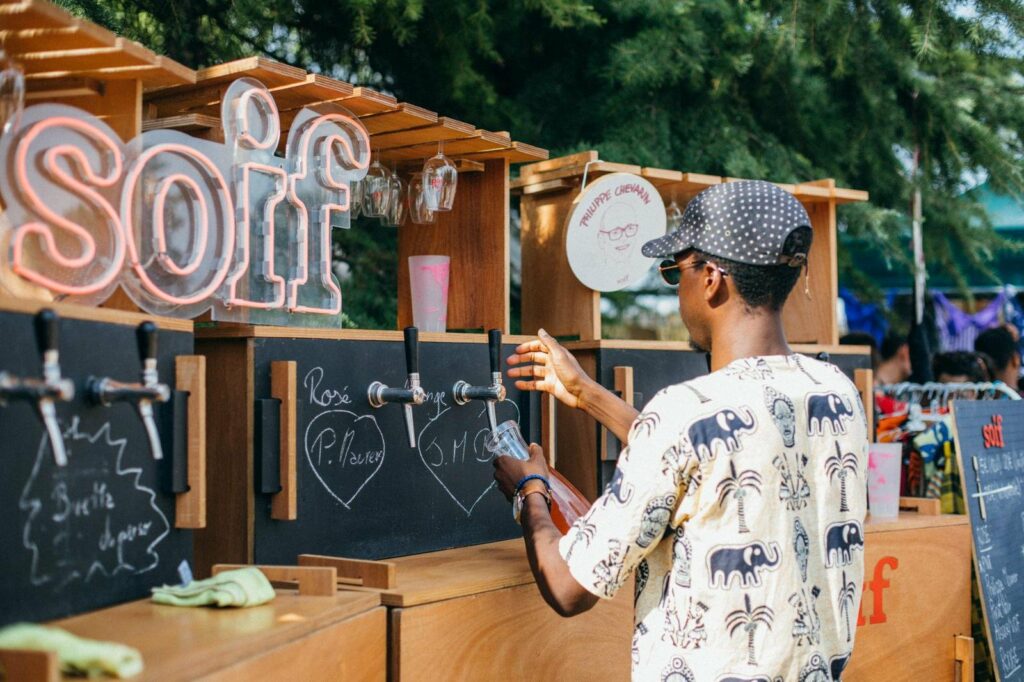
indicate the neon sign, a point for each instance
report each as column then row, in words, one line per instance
column 184, row 225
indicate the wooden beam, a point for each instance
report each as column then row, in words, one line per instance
column 445, row 129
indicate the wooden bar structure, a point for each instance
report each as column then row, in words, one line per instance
column 554, row 299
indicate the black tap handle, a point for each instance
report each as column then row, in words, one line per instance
column 494, row 346
column 412, row 350
column 47, row 330
column 145, row 336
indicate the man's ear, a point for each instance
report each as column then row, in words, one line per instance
column 904, row 352
column 716, row 291
column 1015, row 361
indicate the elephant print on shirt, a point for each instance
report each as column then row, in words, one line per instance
column 828, row 410
column 783, row 414
column 725, row 427
column 841, row 540
column 744, row 562
column 618, row 490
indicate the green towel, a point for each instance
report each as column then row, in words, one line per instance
column 240, row 587
column 77, row 655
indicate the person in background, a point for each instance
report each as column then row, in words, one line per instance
column 958, row 367
column 893, row 360
column 999, row 345
column 862, row 339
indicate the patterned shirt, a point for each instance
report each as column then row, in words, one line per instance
column 739, row 506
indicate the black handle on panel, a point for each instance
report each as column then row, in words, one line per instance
column 47, row 330
column 494, row 346
column 145, row 336
column 412, row 350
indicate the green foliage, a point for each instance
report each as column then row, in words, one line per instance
column 787, row 91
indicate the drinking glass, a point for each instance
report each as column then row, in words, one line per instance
column 355, row 199
column 418, row 211
column 567, row 503
column 428, row 284
column 12, row 93
column 396, row 204
column 376, row 190
column 440, row 178
column 674, row 217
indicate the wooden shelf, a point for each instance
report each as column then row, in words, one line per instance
column 81, row 312
column 242, row 331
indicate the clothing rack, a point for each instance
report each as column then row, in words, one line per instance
column 943, row 393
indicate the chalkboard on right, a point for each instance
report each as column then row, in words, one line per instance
column 990, row 449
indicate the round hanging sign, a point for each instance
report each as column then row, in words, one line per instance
column 609, row 222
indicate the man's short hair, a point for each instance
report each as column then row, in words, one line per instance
column 998, row 344
column 862, row 339
column 766, row 286
column 960, row 363
column 891, row 345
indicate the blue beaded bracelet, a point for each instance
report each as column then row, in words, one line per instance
column 532, row 477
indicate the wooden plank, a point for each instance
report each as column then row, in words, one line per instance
column 552, row 296
column 196, row 99
column 479, row 292
column 467, row 166
column 483, row 637
column 190, row 506
column 361, row 572
column 228, row 536
column 62, row 88
column 186, row 123
column 89, row 313
column 399, row 118
column 864, row 380
column 29, row 14
column 313, row 581
column 30, row 665
column 188, row 644
column 577, row 438
column 623, row 386
column 811, row 318
column 314, row 89
column 928, row 506
column 271, row 73
column 661, row 176
column 963, row 653
column 547, row 187
column 846, row 196
column 163, row 73
column 905, row 627
column 354, row 649
column 577, row 160
column 231, row 330
column 444, row 129
column 121, row 53
column 517, row 152
column 284, row 505
column 79, row 35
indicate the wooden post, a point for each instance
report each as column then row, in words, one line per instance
column 313, row 581
column 283, row 386
column 190, row 506
column 864, row 380
column 813, row 320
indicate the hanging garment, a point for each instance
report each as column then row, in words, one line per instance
column 957, row 329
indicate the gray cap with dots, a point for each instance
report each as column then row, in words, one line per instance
column 744, row 220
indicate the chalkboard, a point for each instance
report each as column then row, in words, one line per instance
column 100, row 530
column 653, row 370
column 362, row 491
column 990, row 450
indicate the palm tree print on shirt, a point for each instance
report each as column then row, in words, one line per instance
column 737, row 486
column 847, row 599
column 840, row 466
column 748, row 619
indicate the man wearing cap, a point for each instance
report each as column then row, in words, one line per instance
column 738, row 502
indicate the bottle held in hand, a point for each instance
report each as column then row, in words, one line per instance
column 567, row 503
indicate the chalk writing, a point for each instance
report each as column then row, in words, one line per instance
column 345, row 451
column 93, row 520
column 327, row 397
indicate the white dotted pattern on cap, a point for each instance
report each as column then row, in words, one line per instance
column 745, row 221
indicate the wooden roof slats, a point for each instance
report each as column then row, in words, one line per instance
column 51, row 45
column 402, row 116
column 444, row 129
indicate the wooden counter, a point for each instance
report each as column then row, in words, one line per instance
column 299, row 638
column 917, row 599
column 471, row 614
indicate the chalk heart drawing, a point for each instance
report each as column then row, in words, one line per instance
column 455, row 456
column 345, row 450
column 93, row 519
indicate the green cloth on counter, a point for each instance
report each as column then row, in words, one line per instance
column 77, row 655
column 240, row 587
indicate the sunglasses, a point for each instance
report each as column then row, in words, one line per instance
column 672, row 271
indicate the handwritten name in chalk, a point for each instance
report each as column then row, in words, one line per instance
column 345, row 451
column 993, row 433
column 99, row 499
column 131, row 532
column 327, row 397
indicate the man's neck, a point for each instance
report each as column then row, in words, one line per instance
column 887, row 373
column 745, row 335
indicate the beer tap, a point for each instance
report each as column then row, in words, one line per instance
column 106, row 391
column 46, row 391
column 380, row 394
column 463, row 392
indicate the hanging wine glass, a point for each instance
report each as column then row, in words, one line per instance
column 12, row 94
column 673, row 217
column 355, row 199
column 439, row 180
column 396, row 205
column 376, row 190
column 416, row 198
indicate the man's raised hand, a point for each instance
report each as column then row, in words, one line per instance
column 545, row 365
